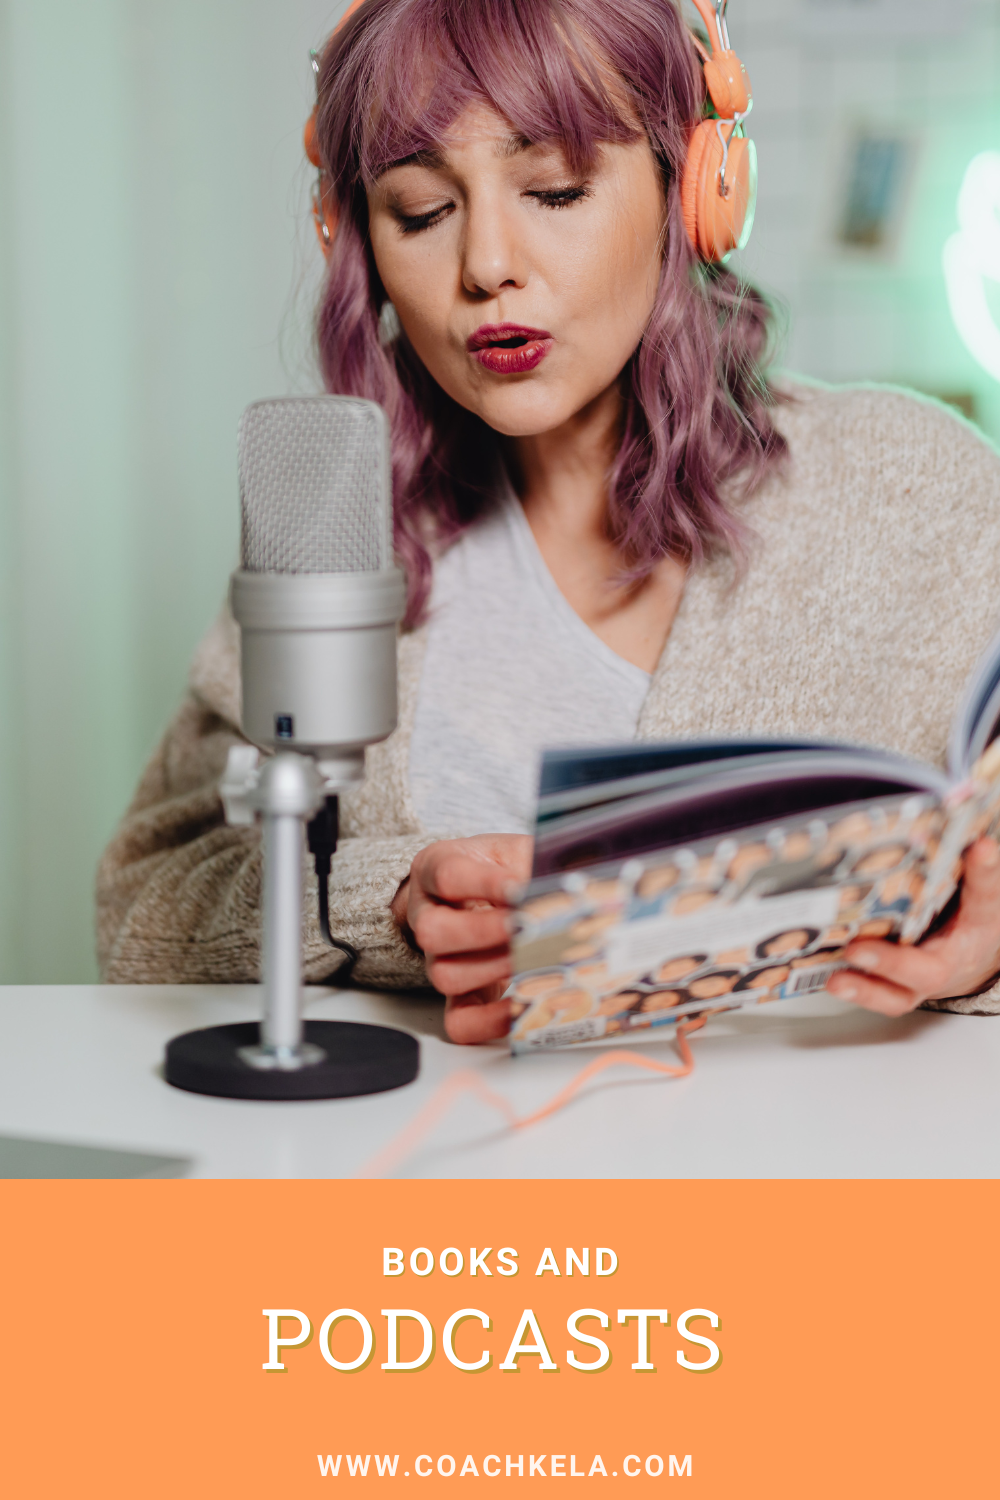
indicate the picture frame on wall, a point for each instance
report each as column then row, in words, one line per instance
column 875, row 167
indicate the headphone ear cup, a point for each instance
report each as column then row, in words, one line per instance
column 324, row 206
column 690, row 190
column 717, row 224
column 311, row 142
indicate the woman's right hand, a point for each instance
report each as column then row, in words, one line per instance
column 454, row 906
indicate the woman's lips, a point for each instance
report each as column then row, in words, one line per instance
column 509, row 348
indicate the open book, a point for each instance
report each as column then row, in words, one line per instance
column 700, row 876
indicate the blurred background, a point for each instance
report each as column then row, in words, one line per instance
column 157, row 272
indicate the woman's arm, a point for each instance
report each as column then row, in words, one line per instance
column 178, row 891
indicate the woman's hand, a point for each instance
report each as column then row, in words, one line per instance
column 958, row 960
column 454, row 907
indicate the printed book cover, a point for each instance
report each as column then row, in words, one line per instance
column 686, row 879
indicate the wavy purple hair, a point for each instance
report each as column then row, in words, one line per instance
column 696, row 427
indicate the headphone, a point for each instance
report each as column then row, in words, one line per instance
column 719, row 185
column 321, row 207
column 719, row 182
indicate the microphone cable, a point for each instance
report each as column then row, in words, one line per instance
column 322, row 833
column 468, row 1081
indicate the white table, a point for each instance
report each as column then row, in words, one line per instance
column 807, row 1088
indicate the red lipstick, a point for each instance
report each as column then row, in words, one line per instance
column 509, row 348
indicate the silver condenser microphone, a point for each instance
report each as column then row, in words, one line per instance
column 318, row 599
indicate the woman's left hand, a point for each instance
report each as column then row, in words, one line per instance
column 958, row 960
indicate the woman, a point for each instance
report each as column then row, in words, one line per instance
column 612, row 526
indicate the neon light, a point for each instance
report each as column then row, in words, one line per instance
column 971, row 257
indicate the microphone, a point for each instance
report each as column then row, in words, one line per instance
column 317, row 598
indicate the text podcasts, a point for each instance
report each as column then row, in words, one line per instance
column 353, row 1331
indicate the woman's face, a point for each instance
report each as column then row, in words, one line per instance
column 676, row 968
column 655, row 881
column 878, row 860
column 662, row 1000
column 748, row 859
column 712, row 985
column 523, row 286
column 769, row 979
column 787, row 942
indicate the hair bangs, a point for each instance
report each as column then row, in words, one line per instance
column 418, row 66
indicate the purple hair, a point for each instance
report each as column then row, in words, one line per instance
column 697, row 411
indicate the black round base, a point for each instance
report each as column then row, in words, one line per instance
column 360, row 1060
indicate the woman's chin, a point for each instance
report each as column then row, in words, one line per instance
column 526, row 410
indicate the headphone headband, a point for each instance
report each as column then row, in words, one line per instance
column 714, row 17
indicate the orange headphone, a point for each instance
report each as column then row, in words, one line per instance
column 321, row 207
column 719, row 184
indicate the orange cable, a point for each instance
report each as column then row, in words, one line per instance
column 406, row 1141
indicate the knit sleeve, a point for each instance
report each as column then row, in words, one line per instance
column 987, row 1003
column 179, row 892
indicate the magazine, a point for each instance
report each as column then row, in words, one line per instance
column 690, row 878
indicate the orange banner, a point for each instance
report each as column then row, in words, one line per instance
column 747, row 1338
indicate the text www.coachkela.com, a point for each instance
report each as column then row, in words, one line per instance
column 510, row 1466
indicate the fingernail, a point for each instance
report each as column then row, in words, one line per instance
column 844, row 990
column 864, row 958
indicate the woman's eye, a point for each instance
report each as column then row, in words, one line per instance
column 560, row 197
column 413, row 223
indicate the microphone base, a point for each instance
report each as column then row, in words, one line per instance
column 287, row 1059
column 356, row 1059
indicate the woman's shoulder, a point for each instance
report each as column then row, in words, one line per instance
column 214, row 674
column 882, row 435
column 878, row 466
column 871, row 586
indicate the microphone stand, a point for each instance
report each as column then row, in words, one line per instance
column 288, row 790
column 285, row 1057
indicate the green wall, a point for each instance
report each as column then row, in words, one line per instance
column 156, row 271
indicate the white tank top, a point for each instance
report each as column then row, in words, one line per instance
column 510, row 670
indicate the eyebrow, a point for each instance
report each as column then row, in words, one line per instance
column 513, row 145
column 433, row 158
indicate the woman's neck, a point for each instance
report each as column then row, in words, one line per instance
column 561, row 479
column 561, row 476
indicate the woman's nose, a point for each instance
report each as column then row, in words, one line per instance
column 493, row 255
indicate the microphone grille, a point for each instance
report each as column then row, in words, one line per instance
column 315, row 494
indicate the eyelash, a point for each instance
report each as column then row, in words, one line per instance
column 561, row 197
column 413, row 223
column 550, row 197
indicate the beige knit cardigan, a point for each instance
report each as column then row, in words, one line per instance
column 874, row 584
